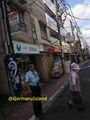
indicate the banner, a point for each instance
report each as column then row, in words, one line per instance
column 11, row 64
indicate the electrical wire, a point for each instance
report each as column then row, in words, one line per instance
column 78, row 18
column 71, row 12
column 49, row 21
column 76, row 23
column 45, row 11
column 73, row 18
column 33, row 2
column 77, row 27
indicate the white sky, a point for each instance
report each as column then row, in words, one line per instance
column 82, row 10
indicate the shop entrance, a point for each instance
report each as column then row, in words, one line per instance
column 24, row 60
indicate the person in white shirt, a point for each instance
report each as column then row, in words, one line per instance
column 32, row 78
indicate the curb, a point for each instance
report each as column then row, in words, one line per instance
column 81, row 64
column 54, row 96
column 51, row 100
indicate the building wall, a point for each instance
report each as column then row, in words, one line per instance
column 28, row 22
column 36, row 14
column 37, row 9
column 4, row 89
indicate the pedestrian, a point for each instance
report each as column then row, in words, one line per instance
column 32, row 78
column 74, row 87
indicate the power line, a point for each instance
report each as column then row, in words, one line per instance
column 77, row 27
column 45, row 11
column 76, row 17
column 73, row 18
column 66, row 12
column 33, row 2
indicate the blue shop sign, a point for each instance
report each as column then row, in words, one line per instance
column 25, row 48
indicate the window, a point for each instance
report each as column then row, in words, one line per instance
column 43, row 31
column 33, row 29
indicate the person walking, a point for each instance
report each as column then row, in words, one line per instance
column 32, row 78
column 74, row 87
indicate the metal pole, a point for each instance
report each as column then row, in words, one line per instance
column 59, row 22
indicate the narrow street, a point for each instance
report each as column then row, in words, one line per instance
column 60, row 111
column 39, row 41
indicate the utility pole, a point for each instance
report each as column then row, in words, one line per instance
column 59, row 23
column 73, row 38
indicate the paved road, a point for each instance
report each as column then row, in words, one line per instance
column 59, row 110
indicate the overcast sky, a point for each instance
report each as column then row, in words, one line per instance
column 81, row 9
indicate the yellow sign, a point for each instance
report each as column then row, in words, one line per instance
column 57, row 48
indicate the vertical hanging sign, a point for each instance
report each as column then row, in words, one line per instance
column 14, row 21
column 12, row 67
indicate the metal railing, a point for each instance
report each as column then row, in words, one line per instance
column 22, row 1
column 18, row 27
column 44, row 36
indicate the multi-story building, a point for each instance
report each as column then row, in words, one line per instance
column 29, row 34
column 45, row 60
column 34, row 34
column 51, row 16
column 4, row 89
column 21, row 30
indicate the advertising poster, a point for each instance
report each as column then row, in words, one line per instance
column 14, row 21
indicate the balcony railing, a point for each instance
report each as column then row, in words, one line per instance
column 51, row 22
column 44, row 36
column 20, row 4
column 54, row 41
column 50, row 5
column 18, row 27
column 22, row 1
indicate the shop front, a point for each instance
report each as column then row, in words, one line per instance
column 46, row 60
column 26, row 53
column 57, row 67
column 67, row 57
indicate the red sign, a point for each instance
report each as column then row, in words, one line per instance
column 14, row 21
column 51, row 49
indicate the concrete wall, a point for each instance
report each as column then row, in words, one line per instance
column 4, row 89
column 28, row 22
column 37, row 9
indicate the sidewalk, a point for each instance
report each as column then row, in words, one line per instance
column 60, row 111
column 24, row 111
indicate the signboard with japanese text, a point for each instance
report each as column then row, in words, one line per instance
column 13, row 20
column 25, row 48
